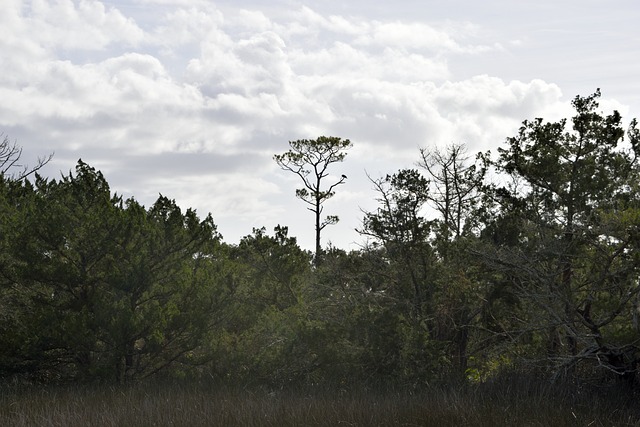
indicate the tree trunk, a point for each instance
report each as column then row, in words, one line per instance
column 316, row 259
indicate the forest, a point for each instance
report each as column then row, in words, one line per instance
column 521, row 262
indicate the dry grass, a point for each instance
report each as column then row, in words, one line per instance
column 183, row 405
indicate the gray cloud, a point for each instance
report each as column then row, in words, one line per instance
column 191, row 98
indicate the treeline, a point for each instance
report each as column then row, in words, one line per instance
column 524, row 260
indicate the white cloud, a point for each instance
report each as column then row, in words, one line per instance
column 84, row 25
column 251, row 21
column 194, row 101
column 483, row 109
column 412, row 36
column 183, row 26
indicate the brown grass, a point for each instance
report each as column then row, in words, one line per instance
column 190, row 405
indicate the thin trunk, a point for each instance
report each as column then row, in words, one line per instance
column 316, row 260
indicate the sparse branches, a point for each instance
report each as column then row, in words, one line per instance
column 10, row 165
column 310, row 159
column 455, row 187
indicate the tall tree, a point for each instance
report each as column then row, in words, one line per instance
column 17, row 200
column 310, row 160
column 455, row 195
column 399, row 225
column 571, row 249
column 270, row 320
column 108, row 289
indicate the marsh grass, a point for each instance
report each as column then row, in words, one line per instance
column 513, row 403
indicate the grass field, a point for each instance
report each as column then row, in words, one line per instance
column 155, row 404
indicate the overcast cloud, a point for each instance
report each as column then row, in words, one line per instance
column 191, row 98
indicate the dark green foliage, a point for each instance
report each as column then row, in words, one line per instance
column 462, row 280
column 565, row 240
column 103, row 288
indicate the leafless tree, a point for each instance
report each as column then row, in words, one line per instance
column 10, row 161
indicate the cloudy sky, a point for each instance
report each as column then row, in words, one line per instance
column 191, row 98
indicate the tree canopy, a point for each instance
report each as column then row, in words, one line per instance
column 526, row 261
column 310, row 159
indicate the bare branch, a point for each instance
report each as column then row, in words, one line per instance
column 10, row 166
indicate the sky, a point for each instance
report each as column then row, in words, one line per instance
column 192, row 98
